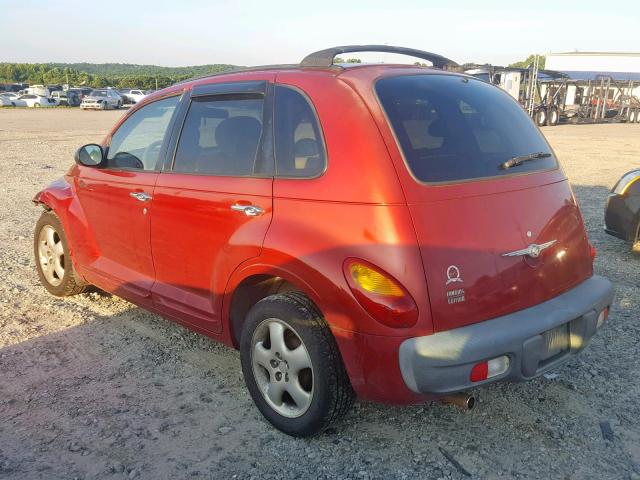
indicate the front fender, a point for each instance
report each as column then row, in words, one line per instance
column 60, row 197
column 55, row 195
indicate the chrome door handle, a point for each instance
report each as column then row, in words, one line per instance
column 143, row 197
column 249, row 210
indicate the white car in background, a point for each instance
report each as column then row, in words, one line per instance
column 34, row 101
column 7, row 99
column 135, row 96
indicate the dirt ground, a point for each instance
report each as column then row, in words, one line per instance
column 94, row 387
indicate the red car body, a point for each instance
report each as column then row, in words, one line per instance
column 192, row 259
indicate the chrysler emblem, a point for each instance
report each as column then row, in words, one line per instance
column 534, row 250
column 453, row 275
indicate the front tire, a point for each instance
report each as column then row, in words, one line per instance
column 53, row 262
column 632, row 116
column 292, row 366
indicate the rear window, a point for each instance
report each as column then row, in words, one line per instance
column 453, row 128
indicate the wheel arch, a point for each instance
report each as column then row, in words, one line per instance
column 251, row 283
column 59, row 197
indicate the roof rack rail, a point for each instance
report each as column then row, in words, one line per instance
column 324, row 58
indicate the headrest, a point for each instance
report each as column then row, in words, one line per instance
column 437, row 128
column 306, row 147
column 234, row 129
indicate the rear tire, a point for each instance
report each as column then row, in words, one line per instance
column 53, row 261
column 278, row 332
column 632, row 116
column 541, row 117
column 554, row 117
column 637, row 116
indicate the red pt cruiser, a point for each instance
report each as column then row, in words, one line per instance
column 394, row 232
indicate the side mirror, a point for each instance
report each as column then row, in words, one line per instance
column 90, row 155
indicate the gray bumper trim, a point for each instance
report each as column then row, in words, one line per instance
column 441, row 363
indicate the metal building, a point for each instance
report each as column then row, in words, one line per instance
column 589, row 65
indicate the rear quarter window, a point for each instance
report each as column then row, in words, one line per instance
column 453, row 128
column 299, row 147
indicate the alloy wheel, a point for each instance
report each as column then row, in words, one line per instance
column 51, row 255
column 282, row 367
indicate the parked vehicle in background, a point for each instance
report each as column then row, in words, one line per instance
column 78, row 93
column 34, row 101
column 38, row 90
column 102, row 99
column 123, row 93
column 7, row 99
column 12, row 87
column 134, row 96
column 622, row 213
column 84, row 91
column 69, row 98
column 214, row 202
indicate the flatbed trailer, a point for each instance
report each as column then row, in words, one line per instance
column 551, row 97
column 524, row 85
column 602, row 100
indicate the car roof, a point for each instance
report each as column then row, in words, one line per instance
column 321, row 62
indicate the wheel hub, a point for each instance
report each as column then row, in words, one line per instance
column 283, row 366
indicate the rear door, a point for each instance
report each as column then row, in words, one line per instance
column 213, row 203
column 473, row 217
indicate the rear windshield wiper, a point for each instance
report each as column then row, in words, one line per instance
column 515, row 161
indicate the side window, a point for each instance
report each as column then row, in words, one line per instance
column 137, row 143
column 221, row 135
column 299, row 147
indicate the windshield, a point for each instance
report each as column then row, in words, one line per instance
column 98, row 93
column 453, row 128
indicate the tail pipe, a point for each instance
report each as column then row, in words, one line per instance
column 464, row 400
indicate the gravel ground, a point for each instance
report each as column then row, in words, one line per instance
column 94, row 387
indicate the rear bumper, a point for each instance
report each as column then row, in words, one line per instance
column 441, row 363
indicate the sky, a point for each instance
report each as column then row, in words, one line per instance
column 249, row 32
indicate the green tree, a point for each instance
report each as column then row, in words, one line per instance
column 529, row 61
column 104, row 75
